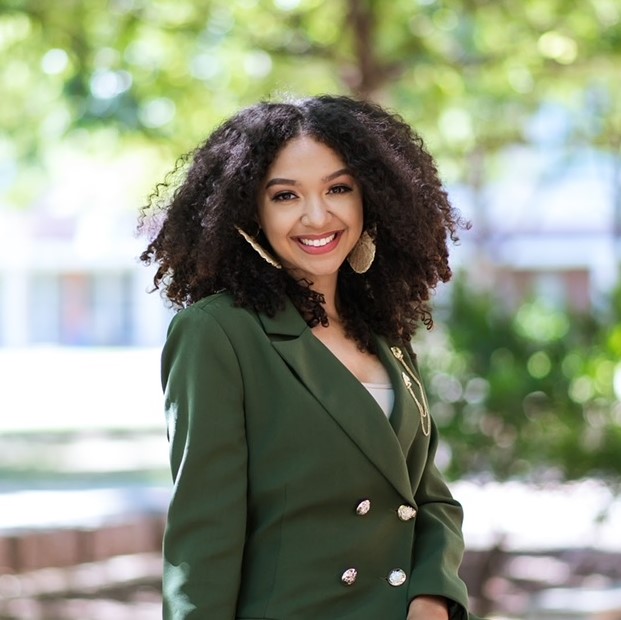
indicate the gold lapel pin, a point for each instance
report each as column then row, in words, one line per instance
column 423, row 408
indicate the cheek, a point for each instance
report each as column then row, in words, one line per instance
column 266, row 218
column 273, row 224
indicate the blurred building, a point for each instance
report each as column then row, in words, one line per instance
column 69, row 272
column 75, row 281
column 545, row 227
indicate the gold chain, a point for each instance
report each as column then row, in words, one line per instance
column 423, row 408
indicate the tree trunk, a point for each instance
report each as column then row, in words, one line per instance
column 368, row 76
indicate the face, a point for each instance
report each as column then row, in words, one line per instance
column 310, row 209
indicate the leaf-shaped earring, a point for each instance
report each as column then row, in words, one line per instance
column 256, row 246
column 363, row 253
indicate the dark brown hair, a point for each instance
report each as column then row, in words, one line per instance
column 199, row 251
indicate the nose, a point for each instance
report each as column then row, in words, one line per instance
column 316, row 212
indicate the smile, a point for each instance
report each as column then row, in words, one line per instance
column 318, row 243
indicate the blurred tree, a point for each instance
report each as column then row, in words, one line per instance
column 528, row 393
column 467, row 73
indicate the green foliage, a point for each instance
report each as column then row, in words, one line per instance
column 528, row 393
column 467, row 73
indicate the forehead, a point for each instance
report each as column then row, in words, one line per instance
column 305, row 154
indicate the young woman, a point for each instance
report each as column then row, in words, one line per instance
column 302, row 245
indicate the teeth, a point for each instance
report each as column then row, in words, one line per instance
column 317, row 243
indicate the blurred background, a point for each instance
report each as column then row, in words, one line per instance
column 519, row 101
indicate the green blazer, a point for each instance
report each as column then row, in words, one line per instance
column 295, row 498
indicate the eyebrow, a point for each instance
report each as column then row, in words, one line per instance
column 326, row 179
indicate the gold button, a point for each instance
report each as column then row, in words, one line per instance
column 349, row 576
column 396, row 577
column 363, row 507
column 405, row 512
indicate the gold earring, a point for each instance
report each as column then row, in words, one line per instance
column 363, row 253
column 258, row 249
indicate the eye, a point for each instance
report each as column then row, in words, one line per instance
column 283, row 196
column 340, row 189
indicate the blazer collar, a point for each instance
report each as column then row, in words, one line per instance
column 287, row 322
column 384, row 443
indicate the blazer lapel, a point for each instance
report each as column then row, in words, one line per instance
column 343, row 396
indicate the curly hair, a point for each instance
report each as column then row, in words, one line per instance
column 199, row 251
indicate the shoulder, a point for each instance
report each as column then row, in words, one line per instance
column 213, row 331
column 199, row 349
column 215, row 314
column 204, row 331
column 218, row 310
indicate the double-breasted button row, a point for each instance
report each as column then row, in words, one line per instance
column 404, row 512
column 396, row 577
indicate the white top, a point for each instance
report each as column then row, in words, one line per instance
column 383, row 394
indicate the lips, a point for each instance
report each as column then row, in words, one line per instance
column 319, row 244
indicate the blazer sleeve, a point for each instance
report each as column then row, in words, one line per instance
column 439, row 545
column 205, row 531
